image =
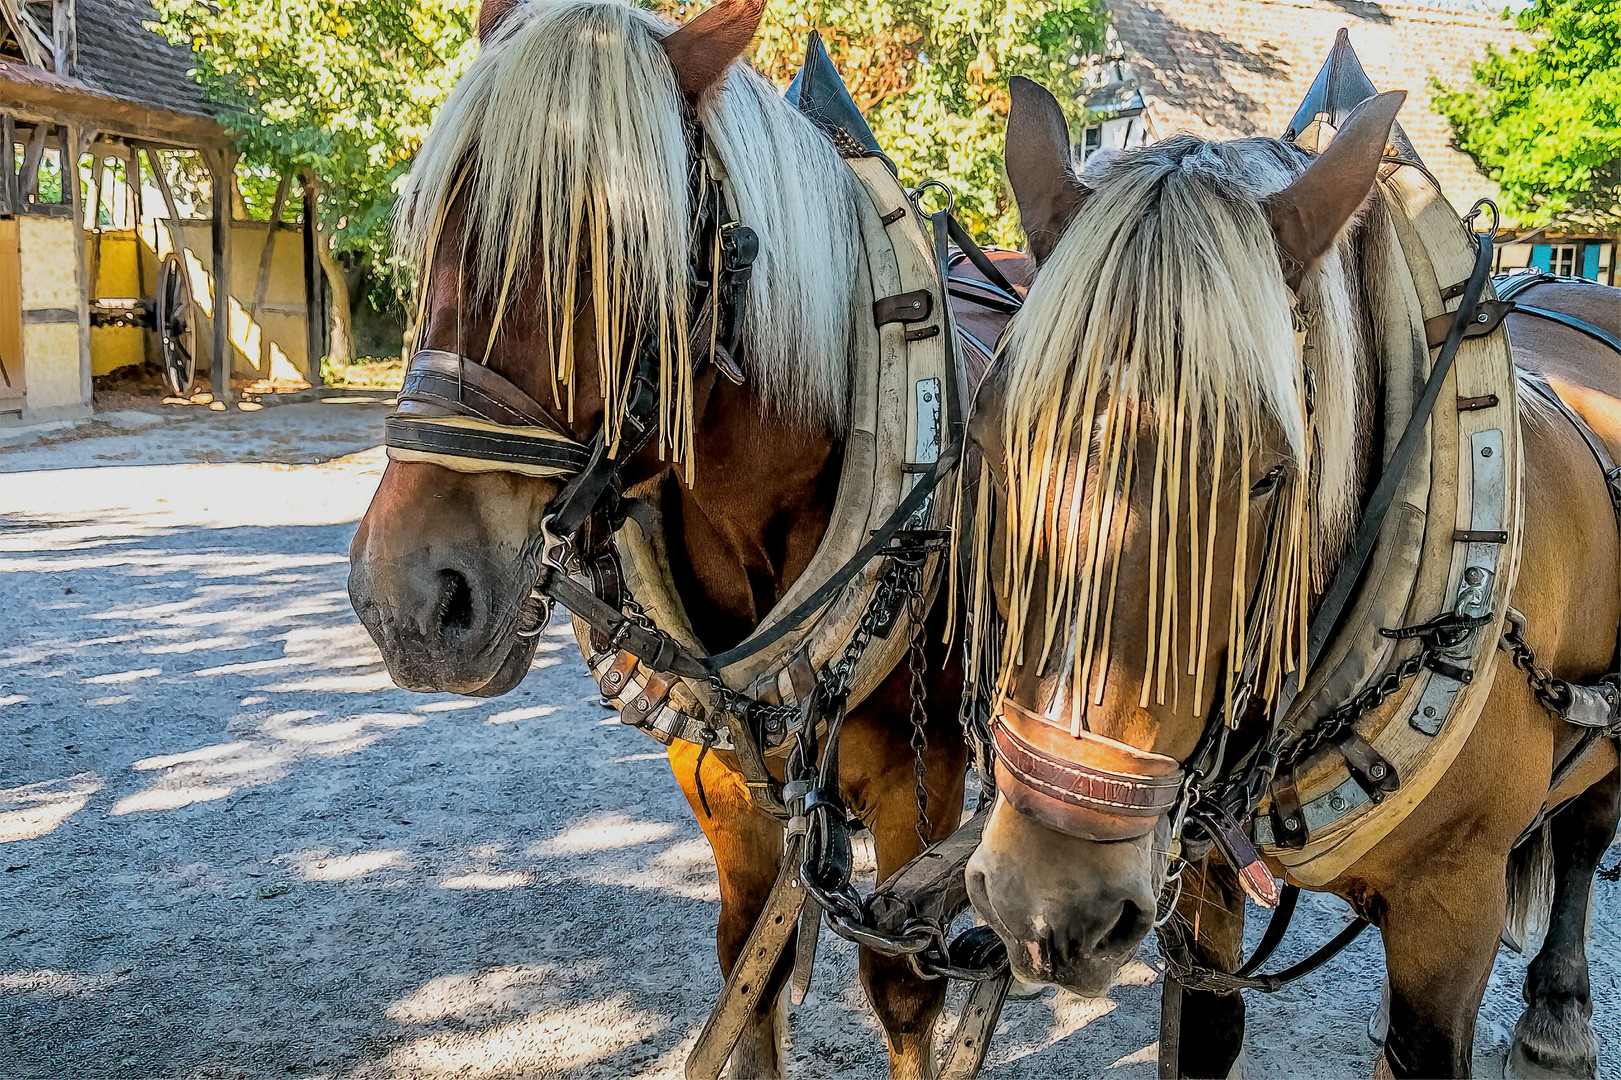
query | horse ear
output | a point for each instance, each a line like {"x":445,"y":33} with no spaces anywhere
{"x":1040,"y":165}
{"x":490,"y":15}
{"x":703,"y":50}
{"x":1308,"y":216}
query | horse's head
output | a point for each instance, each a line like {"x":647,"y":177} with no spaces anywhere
{"x":1166,"y":478}
{"x":560,"y":214}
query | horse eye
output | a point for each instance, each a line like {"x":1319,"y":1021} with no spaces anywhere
{"x":1268,"y":483}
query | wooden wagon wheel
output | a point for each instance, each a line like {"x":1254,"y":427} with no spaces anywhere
{"x":176,"y":321}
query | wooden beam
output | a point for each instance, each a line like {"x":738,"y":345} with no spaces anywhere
{"x":86,"y":107}
{"x":222,"y":171}
{"x":314,"y":309}
{"x":28,"y":174}
{"x":132,"y":205}
{"x":132,"y":189}
{"x":176,"y":242}
{"x":267,"y":253}
{"x":8,"y":157}
{"x":29,"y":37}
{"x":93,"y":260}
{"x":73,"y":143}
{"x":65,"y":36}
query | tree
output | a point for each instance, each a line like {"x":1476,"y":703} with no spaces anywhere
{"x":1544,"y":120}
{"x":931,"y":76}
{"x":346,"y":90}
{"x":343,"y":90}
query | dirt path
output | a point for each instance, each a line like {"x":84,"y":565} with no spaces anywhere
{"x":230,"y":848}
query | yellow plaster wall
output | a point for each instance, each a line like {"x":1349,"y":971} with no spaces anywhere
{"x":52,"y":351}
{"x":119,"y":275}
{"x":275,"y":345}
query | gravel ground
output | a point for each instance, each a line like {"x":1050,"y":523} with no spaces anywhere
{"x":229,"y":847}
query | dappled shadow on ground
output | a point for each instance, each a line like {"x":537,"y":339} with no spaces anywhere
{"x":234,"y":849}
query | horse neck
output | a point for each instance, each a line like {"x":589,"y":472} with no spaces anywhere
{"x":759,"y":502}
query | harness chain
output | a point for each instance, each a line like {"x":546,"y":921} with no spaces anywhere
{"x":1551,"y":693}
{"x":919,"y":693}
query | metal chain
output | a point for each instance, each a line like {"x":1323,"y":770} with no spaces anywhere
{"x":1551,"y":693}
{"x":922,"y":941}
{"x":1344,"y":715}
{"x":920,"y":736}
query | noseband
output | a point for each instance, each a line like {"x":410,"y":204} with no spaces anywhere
{"x":1087,"y":785}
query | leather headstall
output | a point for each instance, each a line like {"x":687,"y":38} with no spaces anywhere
{"x":1087,"y":785}
{"x":455,"y":412}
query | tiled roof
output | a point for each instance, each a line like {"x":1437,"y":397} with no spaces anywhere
{"x":1231,"y":68}
{"x":121,"y":56}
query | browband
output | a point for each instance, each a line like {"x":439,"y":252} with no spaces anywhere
{"x":455,"y":412}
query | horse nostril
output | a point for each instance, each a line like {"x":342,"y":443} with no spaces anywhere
{"x":1132,"y":924}
{"x":455,"y":612}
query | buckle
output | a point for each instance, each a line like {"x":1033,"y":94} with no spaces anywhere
{"x":739,"y":248}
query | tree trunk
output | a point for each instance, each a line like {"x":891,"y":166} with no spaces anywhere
{"x":340,"y":338}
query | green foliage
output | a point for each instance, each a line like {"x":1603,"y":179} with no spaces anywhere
{"x":345,"y":88}
{"x":348,"y":88}
{"x":1544,"y":120}
{"x":931,"y":76}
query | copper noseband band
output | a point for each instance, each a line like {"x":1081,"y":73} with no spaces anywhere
{"x":1088,"y":785}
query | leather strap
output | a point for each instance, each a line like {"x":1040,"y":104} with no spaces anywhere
{"x":1597,"y":333}
{"x":564,"y":457}
{"x":1087,"y":786}
{"x":1356,"y":558}
{"x":444,"y":380}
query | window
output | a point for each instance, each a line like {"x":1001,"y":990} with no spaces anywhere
{"x":1565,"y":259}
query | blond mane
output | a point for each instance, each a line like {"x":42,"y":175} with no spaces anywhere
{"x":1162,"y":319}
{"x":565,"y":141}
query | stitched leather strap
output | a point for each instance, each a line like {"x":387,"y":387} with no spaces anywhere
{"x":1087,"y":786}
{"x":459,"y":386}
{"x":456,"y":441}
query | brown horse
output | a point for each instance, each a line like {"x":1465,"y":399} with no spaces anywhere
{"x":1160,"y":330}
{"x":551,"y":216}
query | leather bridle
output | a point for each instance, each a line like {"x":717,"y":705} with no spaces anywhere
{"x":1095,"y":788}
{"x":455,"y":411}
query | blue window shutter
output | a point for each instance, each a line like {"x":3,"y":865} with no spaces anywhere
{"x":1542,"y":257}
{"x":1590,"y":262}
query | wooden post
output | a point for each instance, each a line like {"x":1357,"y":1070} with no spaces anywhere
{"x":28,"y":175}
{"x":75,"y":141}
{"x":132,"y":207}
{"x":314,"y":309}
{"x":8,"y":175}
{"x":222,"y":171}
{"x":176,"y":241}
{"x":132,"y":189}
{"x":99,"y":172}
{"x":64,"y":36}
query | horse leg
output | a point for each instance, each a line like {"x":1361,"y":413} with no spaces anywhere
{"x":748,"y":849}
{"x":905,"y":1004}
{"x":1440,"y":935}
{"x":1554,"y":1038}
{"x":1210,"y":916}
